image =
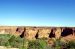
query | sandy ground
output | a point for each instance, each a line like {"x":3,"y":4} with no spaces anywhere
{"x":2,"y":47}
{"x":68,"y":38}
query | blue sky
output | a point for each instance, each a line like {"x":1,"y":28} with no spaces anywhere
{"x":37,"y":13}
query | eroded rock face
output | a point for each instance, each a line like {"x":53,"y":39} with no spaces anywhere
{"x":44,"y":32}
{"x":74,"y":31}
{"x":5,"y":30}
{"x":2,"y":32}
{"x":31,"y":33}
{"x":66,"y":32}
{"x":20,"y":31}
{"x":55,"y":33}
{"x":13,"y":30}
{"x":58,"y":33}
{"x":52,"y":33}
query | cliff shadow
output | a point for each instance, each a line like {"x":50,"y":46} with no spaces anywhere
{"x":52,"y":34}
{"x":66,"y":32}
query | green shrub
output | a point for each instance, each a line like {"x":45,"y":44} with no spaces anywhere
{"x":4,"y":38}
{"x":33,"y":45}
{"x":11,"y":41}
{"x":37,"y":44}
{"x":16,"y":42}
{"x":62,"y":45}
{"x":58,"y":44}
{"x":71,"y":44}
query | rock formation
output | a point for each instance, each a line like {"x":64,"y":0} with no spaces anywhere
{"x":32,"y":33}
{"x":44,"y":32}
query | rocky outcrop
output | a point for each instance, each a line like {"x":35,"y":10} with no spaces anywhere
{"x":44,"y":32}
{"x":58,"y":32}
{"x":32,"y":33}
{"x":20,"y":31}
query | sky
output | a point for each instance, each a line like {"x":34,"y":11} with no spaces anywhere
{"x":37,"y":13}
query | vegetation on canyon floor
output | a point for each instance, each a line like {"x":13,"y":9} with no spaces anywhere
{"x":21,"y":43}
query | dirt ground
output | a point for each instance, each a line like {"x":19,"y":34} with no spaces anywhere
{"x":2,"y":47}
{"x":68,"y":38}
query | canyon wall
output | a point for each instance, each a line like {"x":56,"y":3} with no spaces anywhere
{"x":32,"y":33}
